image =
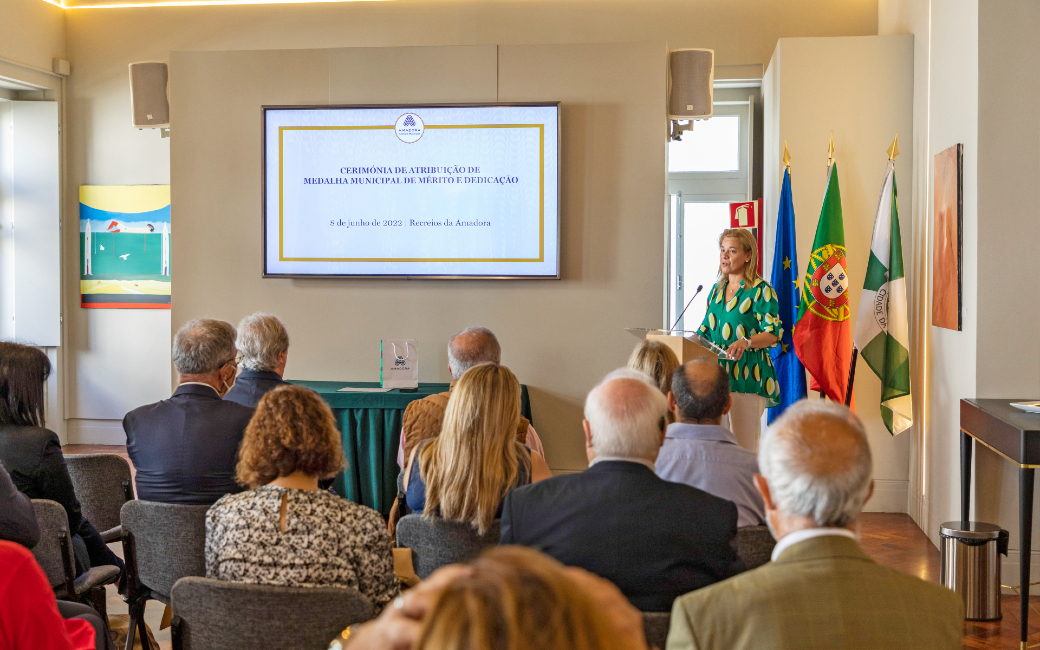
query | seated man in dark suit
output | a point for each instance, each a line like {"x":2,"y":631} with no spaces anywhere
{"x":265,"y":348}
{"x":185,"y":448}
{"x":652,"y":538}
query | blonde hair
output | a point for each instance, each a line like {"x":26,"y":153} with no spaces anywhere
{"x":750,"y":246}
{"x":658,"y":362}
{"x":475,"y":460}
{"x":655,"y":360}
{"x":516,"y":599}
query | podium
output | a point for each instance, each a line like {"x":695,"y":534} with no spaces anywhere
{"x":686,"y":345}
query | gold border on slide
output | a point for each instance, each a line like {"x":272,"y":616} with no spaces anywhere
{"x":541,"y":195}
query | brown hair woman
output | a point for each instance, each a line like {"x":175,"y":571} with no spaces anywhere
{"x":286,"y":530}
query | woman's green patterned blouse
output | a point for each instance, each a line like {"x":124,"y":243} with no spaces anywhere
{"x":751,"y":311}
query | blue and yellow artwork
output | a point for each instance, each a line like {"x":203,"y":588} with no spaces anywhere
{"x":124,"y":240}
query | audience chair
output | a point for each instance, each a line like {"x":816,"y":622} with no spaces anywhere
{"x":754,"y":545}
{"x":162,"y":543}
{"x":440,"y":542}
{"x":655,"y":626}
{"x":54,"y":555}
{"x":236,"y":616}
{"x":103,"y":485}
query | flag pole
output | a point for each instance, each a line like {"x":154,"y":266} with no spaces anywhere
{"x":893,"y":151}
{"x":852,"y":376}
{"x":830,"y":161}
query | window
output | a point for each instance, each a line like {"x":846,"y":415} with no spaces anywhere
{"x":712,"y":146}
{"x":707,"y":169}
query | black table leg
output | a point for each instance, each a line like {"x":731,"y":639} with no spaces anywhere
{"x":965,"y":476}
{"x":1025,"y":522}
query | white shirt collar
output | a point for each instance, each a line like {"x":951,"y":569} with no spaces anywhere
{"x":801,"y":535}
{"x":642,"y":461}
{"x":199,"y":383}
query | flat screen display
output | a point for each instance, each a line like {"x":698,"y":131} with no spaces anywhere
{"x":438,"y":191}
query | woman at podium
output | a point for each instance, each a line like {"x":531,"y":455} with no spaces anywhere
{"x":743,"y":319}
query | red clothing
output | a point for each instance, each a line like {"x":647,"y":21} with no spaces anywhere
{"x":29,"y":618}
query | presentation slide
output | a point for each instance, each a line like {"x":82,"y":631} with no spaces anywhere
{"x":413,"y":191}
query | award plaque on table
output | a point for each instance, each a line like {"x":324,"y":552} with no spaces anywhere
{"x":686,"y":344}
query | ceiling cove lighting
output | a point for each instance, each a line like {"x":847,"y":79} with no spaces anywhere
{"x":191,"y":3}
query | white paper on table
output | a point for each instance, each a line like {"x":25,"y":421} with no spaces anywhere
{"x":349,"y":389}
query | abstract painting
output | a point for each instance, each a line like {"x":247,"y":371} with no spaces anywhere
{"x":946,"y":249}
{"x":124,"y":239}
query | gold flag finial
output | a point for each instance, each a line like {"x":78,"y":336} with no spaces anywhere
{"x":787,"y":157}
{"x":893,"y":151}
{"x":830,"y":151}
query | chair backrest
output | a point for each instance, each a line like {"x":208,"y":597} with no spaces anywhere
{"x":655,"y":626}
{"x":52,"y":554}
{"x":754,"y":545}
{"x":235,"y":616}
{"x":99,"y":483}
{"x":169,"y":542}
{"x":441,"y":542}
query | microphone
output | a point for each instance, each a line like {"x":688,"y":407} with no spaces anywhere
{"x":695,"y":294}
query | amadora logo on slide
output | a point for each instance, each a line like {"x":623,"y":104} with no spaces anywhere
{"x":409,"y":128}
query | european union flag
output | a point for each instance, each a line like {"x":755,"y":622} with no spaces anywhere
{"x":789,"y":370}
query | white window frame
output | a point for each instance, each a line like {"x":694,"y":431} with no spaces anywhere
{"x":706,"y":187}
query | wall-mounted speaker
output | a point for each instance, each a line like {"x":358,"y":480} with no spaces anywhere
{"x":691,"y":74}
{"x":149,"y":94}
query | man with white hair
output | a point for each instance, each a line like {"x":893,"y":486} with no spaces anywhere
{"x":652,"y":538}
{"x":265,"y":350}
{"x":820,"y":591}
{"x":422,"y":418}
{"x":185,"y":448}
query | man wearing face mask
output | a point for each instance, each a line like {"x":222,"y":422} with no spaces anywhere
{"x":184,"y":448}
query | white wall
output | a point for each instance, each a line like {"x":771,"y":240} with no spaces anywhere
{"x":861,"y":88}
{"x":119,"y":359}
{"x":977,"y":67}
{"x":560,"y":337}
{"x":32,"y":33}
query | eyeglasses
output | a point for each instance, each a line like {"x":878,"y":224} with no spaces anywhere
{"x":235,"y":361}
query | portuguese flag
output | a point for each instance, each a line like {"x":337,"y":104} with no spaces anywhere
{"x":822,"y":339}
{"x":881,"y":328}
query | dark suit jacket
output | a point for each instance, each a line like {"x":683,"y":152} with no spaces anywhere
{"x":17,"y":517}
{"x":251,"y":385}
{"x":33,"y":458}
{"x":654,"y":539}
{"x":184,"y":448}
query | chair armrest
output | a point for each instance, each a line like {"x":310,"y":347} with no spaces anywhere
{"x":96,"y":577}
{"x":112,"y":534}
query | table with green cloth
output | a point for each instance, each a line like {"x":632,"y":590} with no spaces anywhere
{"x":370,"y":424}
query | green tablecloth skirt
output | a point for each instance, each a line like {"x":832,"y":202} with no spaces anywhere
{"x":370,"y":424}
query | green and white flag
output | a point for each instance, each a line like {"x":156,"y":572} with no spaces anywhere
{"x":881,"y":329}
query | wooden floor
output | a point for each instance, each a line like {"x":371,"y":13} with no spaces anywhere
{"x":890,"y":539}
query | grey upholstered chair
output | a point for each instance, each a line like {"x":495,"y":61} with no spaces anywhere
{"x":162,"y":543}
{"x":211,"y":614}
{"x":655,"y":626}
{"x":441,"y":542}
{"x":754,"y":545}
{"x":103,"y":485}
{"x":54,"y":555}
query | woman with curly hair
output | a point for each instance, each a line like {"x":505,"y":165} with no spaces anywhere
{"x":285,"y":530}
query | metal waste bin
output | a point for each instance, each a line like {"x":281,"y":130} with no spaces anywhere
{"x":969,"y":564}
